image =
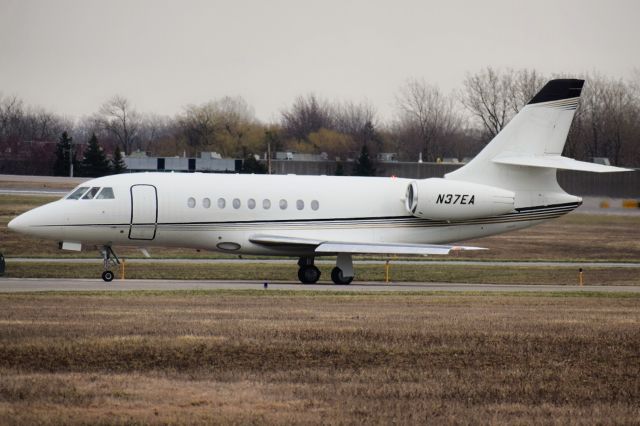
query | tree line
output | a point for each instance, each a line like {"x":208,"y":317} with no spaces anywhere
{"x":93,"y":163}
{"x":427,"y":123}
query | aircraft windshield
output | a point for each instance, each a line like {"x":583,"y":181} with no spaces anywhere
{"x":75,"y":195}
{"x":105,"y":194}
{"x":91,"y":193}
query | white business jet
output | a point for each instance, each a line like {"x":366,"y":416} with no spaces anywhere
{"x":511,"y":184}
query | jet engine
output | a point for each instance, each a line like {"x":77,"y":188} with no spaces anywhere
{"x":442,"y":199}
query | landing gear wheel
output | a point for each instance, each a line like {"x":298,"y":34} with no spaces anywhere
{"x":107,"y":276}
{"x":110,"y":260}
{"x":336,"y":277}
{"x":308,"y":274}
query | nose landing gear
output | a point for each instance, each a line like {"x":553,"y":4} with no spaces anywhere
{"x":107,"y":276}
{"x":110,"y":259}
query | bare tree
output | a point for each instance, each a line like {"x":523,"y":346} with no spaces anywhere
{"x":486,"y":96}
{"x":607,"y":123}
{"x":43,"y":125}
{"x":308,"y":114}
{"x":224,"y":125}
{"x":11,"y":119}
{"x":522,"y":86}
{"x":592,"y":116}
{"x":426,"y":114}
{"x":351,"y":118}
{"x":25,"y":137}
{"x":155,"y":128}
{"x":198,"y":125}
{"x":237,"y":122}
{"x":494,"y":96}
{"x":621,"y":118}
{"x":118,"y":117}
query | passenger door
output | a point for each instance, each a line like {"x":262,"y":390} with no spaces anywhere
{"x":144,"y":212}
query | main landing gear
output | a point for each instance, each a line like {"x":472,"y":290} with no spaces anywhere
{"x":110,"y":259}
{"x":308,"y":272}
{"x":342,"y":274}
{"x":337,"y":276}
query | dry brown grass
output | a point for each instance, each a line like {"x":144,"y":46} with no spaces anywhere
{"x":33,"y":186}
{"x":229,"y":358}
{"x":574,"y":236}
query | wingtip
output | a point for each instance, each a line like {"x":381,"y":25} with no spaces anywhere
{"x":467,"y":248}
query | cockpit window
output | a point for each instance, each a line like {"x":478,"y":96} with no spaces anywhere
{"x":75,"y":195}
{"x":105,"y":194}
{"x":91,"y":193}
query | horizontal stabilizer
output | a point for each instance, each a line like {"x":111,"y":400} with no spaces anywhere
{"x":556,"y":162}
{"x":331,"y":247}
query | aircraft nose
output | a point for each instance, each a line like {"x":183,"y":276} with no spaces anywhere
{"x":36,"y":222}
{"x":17,"y":224}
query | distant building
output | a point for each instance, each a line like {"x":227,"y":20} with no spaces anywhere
{"x":450,"y":160}
{"x":211,"y":162}
{"x":387,"y":156}
{"x":295,"y":156}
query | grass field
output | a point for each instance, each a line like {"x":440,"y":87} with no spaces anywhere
{"x":243,"y":357}
{"x":574,"y":237}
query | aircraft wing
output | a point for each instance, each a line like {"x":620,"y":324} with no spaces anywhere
{"x":329,"y":247}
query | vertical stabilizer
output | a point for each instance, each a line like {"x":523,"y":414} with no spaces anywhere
{"x":538,"y":131}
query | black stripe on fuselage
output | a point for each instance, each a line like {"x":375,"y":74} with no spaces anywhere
{"x":518,"y":215}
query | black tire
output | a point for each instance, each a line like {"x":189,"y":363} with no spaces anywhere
{"x":337,"y":278}
{"x":308,"y":274}
{"x":107,"y":276}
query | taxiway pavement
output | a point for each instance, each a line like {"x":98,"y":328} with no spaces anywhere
{"x":21,"y":285}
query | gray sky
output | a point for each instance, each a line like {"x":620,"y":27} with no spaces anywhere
{"x":70,"y":56}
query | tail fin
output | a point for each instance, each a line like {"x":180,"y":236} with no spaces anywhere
{"x":529,"y":149}
{"x":525,"y":155}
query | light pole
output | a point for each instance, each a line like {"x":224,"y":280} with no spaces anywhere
{"x":70,"y":150}
{"x":71,"y":158}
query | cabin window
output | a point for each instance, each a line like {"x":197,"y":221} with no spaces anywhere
{"x":106,"y":194}
{"x":206,"y":203}
{"x":236,"y":203}
{"x":300,"y":204}
{"x":283,"y":204}
{"x":221,"y":203}
{"x":251,"y":203}
{"x":91,"y":193}
{"x":266,"y":204}
{"x":315,"y":205}
{"x":191,"y":202}
{"x":75,"y":195}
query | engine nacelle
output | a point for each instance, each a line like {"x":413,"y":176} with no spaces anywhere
{"x":442,"y":199}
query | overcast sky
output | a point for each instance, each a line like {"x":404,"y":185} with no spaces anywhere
{"x":70,"y":56}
